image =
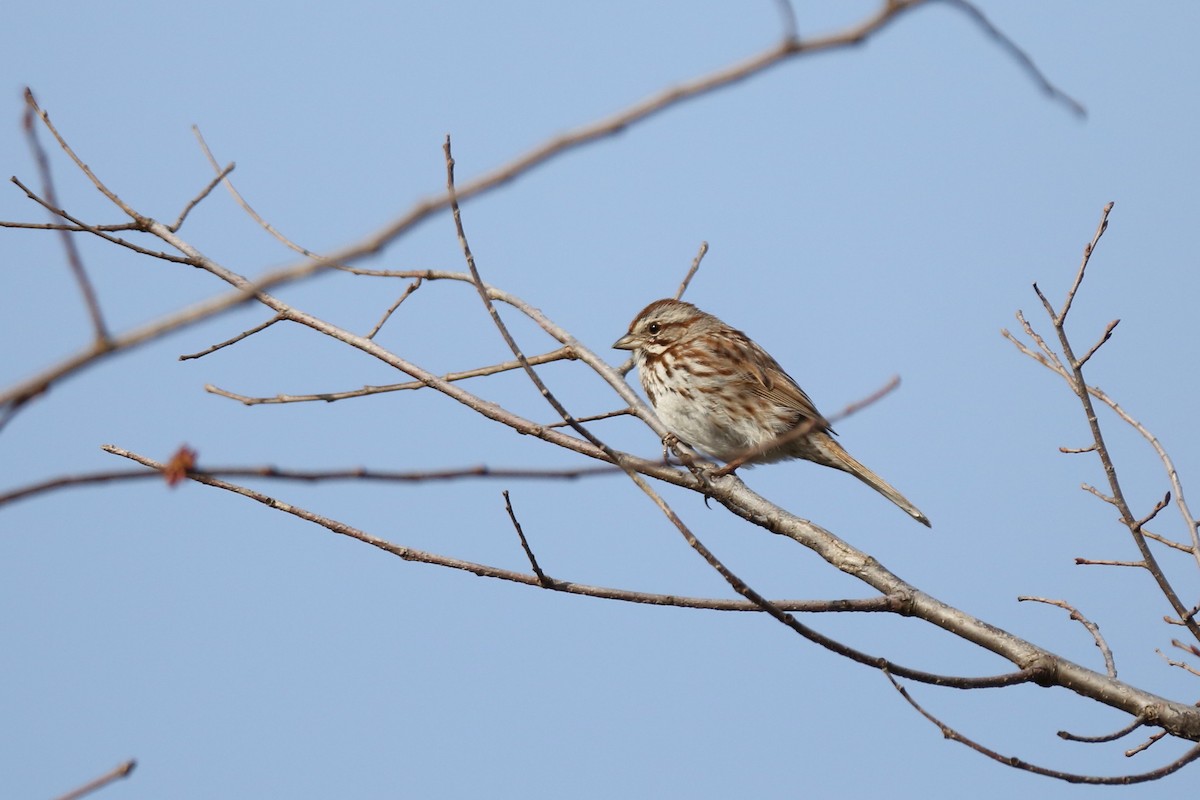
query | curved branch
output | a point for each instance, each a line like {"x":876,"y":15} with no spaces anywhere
{"x":1070,"y":777}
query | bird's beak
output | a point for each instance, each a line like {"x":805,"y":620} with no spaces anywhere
{"x":626,"y":342}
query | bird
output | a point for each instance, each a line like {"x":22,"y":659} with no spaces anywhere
{"x":718,"y":391}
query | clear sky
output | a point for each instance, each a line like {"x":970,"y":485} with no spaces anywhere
{"x":876,"y":211}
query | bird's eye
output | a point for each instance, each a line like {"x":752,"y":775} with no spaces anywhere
{"x":652,"y":328}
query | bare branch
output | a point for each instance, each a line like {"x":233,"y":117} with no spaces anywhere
{"x":1022,"y":58}
{"x":1070,"y":777}
{"x":309,"y":476}
{"x":223,"y":175}
{"x":541,"y":576}
{"x":1080,"y":386}
{"x":788,"y":17}
{"x":1183,"y":665}
{"x":58,"y":226}
{"x":101,"y":232}
{"x":1092,"y":628}
{"x":691,"y":273}
{"x":1087,"y":487}
{"x":195,"y":201}
{"x":1168,"y":465}
{"x":1104,"y":337}
{"x":1091,"y":562}
{"x":1168,"y":542}
{"x":244,"y":334}
{"x":1088,"y":249}
{"x":624,"y":412}
{"x":84,"y":168}
{"x":1159,"y":506}
{"x":115,"y":774}
{"x":1146,"y":744}
{"x":1137,"y":722}
{"x":876,"y":604}
{"x":412,"y":287}
{"x":99,"y":330}
{"x":561,"y":354}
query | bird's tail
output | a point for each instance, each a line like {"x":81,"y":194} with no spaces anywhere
{"x":834,"y":455}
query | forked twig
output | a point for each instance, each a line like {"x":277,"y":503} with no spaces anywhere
{"x":74,"y":259}
{"x":1017,"y":763}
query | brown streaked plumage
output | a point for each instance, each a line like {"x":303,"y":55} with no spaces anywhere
{"x":717,"y":390}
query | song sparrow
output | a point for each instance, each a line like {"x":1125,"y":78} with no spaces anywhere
{"x":720,"y":392}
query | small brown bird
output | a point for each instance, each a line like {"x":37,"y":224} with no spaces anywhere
{"x":718,"y":391}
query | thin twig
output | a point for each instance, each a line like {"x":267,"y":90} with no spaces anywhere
{"x":1168,"y":542}
{"x":74,"y":259}
{"x":624,"y":412}
{"x":84,"y":168}
{"x":1051,"y":356}
{"x":683,"y":285}
{"x":313,"y":476}
{"x":1146,"y":744}
{"x":691,"y":273}
{"x":561,"y":354}
{"x":102,"y":232}
{"x":1189,"y":520}
{"x":1096,"y":562}
{"x":1088,"y":249}
{"x":1021,"y":58}
{"x":234,"y":340}
{"x":1183,"y":665}
{"x":512,"y":515}
{"x":1104,"y":337}
{"x":788,"y":17}
{"x":1159,"y":506}
{"x":1080,"y":386}
{"x":115,"y":774}
{"x":874,"y":604}
{"x":1017,"y":763}
{"x":1137,"y":722}
{"x":58,"y":226}
{"x":241,"y":201}
{"x":1092,"y":628}
{"x":412,"y":287}
{"x":195,"y":201}
{"x":1092,"y":490}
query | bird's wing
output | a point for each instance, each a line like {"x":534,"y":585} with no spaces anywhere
{"x":767,"y":379}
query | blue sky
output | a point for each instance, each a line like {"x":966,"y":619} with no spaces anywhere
{"x":875,"y":211}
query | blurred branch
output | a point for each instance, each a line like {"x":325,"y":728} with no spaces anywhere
{"x":17,"y":396}
{"x":115,"y":774}
{"x":99,"y":330}
{"x":1021,"y":57}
